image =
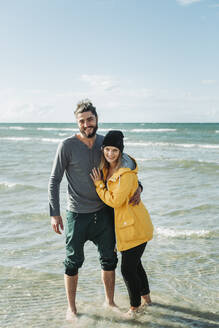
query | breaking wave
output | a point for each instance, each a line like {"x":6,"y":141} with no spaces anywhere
{"x":173,"y":233}
{"x":169,"y":144}
{"x":153,"y":130}
{"x":6,"y":186}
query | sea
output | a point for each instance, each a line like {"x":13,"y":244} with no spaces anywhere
{"x":179,"y":171}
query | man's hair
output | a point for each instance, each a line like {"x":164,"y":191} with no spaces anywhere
{"x":85,"y":105}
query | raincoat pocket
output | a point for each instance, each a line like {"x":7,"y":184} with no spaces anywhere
{"x":127,"y":230}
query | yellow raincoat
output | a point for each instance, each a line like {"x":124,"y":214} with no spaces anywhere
{"x":133,"y":225}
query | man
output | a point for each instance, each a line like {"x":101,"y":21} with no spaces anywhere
{"x":87,"y":216}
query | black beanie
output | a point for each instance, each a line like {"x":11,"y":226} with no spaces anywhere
{"x":114,"y":138}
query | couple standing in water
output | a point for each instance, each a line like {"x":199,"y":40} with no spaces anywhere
{"x":101,"y":177}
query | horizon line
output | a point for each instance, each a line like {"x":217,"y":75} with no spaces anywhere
{"x":111,"y":122}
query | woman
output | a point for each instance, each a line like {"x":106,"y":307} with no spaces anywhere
{"x":115,"y":184}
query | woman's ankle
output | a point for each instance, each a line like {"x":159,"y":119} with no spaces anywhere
{"x":134,"y":308}
{"x":147,"y":298}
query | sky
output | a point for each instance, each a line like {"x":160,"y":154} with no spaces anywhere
{"x":136,"y":60}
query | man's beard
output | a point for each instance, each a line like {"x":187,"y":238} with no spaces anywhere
{"x":92,"y":134}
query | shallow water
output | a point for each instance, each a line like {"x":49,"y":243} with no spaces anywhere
{"x":179,"y":169}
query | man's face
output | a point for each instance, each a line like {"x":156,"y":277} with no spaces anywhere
{"x":87,"y":123}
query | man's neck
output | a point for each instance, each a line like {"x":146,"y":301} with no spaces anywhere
{"x":87,"y":141}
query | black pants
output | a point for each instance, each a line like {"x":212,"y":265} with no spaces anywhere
{"x":134,"y":274}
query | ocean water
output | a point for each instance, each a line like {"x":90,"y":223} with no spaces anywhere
{"x":179,"y":169}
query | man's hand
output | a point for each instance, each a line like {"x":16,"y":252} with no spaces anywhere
{"x":57,"y":223}
{"x":136,"y":198}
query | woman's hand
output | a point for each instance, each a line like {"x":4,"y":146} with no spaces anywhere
{"x":95,"y":175}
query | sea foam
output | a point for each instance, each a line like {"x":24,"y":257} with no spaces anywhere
{"x":4,"y":185}
{"x":169,"y":144}
{"x":7,"y":185}
{"x":57,"y":129}
{"x":53,"y":140}
{"x":17,"y":128}
{"x":12,"y":128}
{"x":152,"y":130}
{"x":173,"y":233}
{"x":16,"y":138}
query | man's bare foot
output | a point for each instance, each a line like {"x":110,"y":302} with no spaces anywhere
{"x":146,"y":300}
{"x":71,"y":315}
{"x":107,"y":304}
{"x":113,"y":307}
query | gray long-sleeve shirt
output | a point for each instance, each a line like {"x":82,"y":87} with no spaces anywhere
{"x":77,"y":161}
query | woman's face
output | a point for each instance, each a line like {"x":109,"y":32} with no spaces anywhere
{"x":111,"y":154}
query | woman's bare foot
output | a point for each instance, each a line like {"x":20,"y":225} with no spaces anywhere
{"x":132,"y":312}
{"x":106,"y":304}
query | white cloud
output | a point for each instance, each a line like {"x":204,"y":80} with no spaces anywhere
{"x":187,"y":2}
{"x":208,"y":82}
{"x":99,"y":84}
{"x":128,"y":102}
{"x":105,"y":83}
{"x":18,"y":111}
{"x":18,"y":105}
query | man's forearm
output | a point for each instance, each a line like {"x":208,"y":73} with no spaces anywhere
{"x":54,"y":204}
{"x":59,"y":165}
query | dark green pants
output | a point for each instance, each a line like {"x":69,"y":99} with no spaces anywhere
{"x":97,"y":227}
